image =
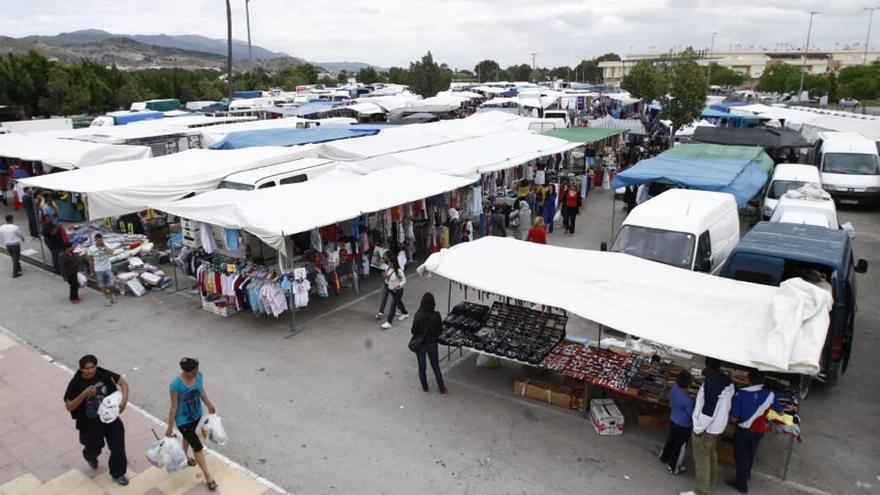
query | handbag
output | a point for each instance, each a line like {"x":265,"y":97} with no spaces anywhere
{"x":415,"y":342}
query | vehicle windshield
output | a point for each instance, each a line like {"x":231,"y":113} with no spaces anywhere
{"x":779,"y":187}
{"x":236,"y":185}
{"x":851,"y":163}
{"x":662,"y":246}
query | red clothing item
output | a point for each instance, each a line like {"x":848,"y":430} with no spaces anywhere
{"x":572,"y":199}
{"x":537,"y":235}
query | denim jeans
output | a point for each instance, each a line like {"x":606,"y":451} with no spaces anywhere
{"x":384,"y":299}
{"x":396,"y":302}
{"x":432,"y":353}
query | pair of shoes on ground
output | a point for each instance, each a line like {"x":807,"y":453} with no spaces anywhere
{"x":733,"y":484}
{"x":122,"y":480}
{"x":682,"y":469}
{"x":76,"y":301}
{"x":443,"y":391}
{"x":387,"y":325}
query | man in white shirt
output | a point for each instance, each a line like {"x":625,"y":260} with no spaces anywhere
{"x":711,"y":413}
{"x":11,"y":237}
{"x":99,"y":258}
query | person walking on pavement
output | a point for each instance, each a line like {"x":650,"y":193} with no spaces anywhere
{"x":570,"y":201}
{"x":496,"y":223}
{"x":426,"y":329}
{"x":54,"y":241}
{"x":88,"y":387}
{"x":27,"y":202}
{"x":69,"y":268}
{"x":187,"y":391}
{"x":99,"y":261}
{"x":11,"y":237}
{"x":748,"y":413}
{"x":710,"y":417}
{"x":681,"y":406}
{"x":401,"y":261}
{"x":549,"y":211}
{"x":537,"y":233}
{"x":521,"y":220}
{"x":396,"y":280}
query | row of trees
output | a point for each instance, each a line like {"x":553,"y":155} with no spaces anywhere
{"x":587,"y":71}
{"x":680,"y":86}
{"x":861,"y":82}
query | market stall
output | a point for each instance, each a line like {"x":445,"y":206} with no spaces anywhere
{"x":522,"y":310}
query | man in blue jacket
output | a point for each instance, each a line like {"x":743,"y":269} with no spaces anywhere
{"x":749,"y":408}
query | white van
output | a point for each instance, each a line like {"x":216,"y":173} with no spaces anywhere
{"x":690,"y":229}
{"x":850,"y":167}
{"x":277,"y":175}
{"x":562,"y":115}
{"x":821,"y":212}
{"x":787,"y":176}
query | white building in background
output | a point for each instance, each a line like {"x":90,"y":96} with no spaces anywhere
{"x":749,"y":62}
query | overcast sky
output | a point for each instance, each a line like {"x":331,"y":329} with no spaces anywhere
{"x":459,"y":32}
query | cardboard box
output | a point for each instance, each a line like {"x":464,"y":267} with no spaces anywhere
{"x":558,"y":395}
{"x":223,"y":310}
{"x":652,"y":419}
{"x":606,"y":417}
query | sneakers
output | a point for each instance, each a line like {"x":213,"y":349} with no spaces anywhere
{"x":75,"y":301}
{"x":112,"y":299}
{"x":733,"y":484}
{"x":425,"y":389}
{"x":379,"y":316}
{"x":386,"y":326}
{"x":403,"y":317}
{"x":93,"y":463}
{"x":122,"y":480}
{"x":109,"y":302}
{"x":444,"y":392}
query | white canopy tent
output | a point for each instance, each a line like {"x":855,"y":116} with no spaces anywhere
{"x":65,"y":153}
{"x":770,"y":328}
{"x":271,"y":214}
{"x":869,"y":128}
{"x":214,"y":134}
{"x":114,"y":190}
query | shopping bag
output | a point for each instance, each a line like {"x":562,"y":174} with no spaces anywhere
{"x":108,"y":410}
{"x":557,"y":218}
{"x":211,"y":427}
{"x":81,"y":278}
{"x":172,"y":455}
{"x":154,"y":453}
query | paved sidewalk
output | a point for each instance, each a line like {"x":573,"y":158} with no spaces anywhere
{"x":41,"y":455}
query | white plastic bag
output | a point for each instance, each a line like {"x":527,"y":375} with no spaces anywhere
{"x":81,"y":278}
{"x":557,"y":218}
{"x":172,"y":455}
{"x":154,"y":453}
{"x":108,"y":410}
{"x":211,"y":427}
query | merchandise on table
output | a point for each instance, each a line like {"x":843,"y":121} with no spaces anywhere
{"x":598,"y":366}
{"x":508,"y":331}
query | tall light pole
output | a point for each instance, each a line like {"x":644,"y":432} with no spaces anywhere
{"x":868,"y":37}
{"x":804,"y":61}
{"x":711,"y":49}
{"x":228,"y":50}
{"x":535,"y":65}
{"x":247,"y":14}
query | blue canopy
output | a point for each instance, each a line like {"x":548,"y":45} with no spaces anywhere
{"x":740,"y":120}
{"x":738,"y":170}
{"x":288,"y":137}
{"x":253,"y":93}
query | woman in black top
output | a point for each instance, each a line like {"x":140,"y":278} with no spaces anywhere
{"x":427,"y":325}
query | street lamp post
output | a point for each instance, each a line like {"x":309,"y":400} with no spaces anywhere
{"x":868,"y":37}
{"x":247,"y":13}
{"x":711,"y":49}
{"x":804,"y":61}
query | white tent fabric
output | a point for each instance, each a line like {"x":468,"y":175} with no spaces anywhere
{"x":365,"y":108}
{"x":65,"y":153}
{"x":114,"y":190}
{"x":866,"y":127}
{"x":389,"y":103}
{"x":268,"y":213}
{"x":634,"y":126}
{"x":214,"y":134}
{"x":770,"y":328}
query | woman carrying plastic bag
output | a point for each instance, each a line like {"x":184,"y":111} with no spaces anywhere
{"x":187,"y":393}
{"x":211,"y":428}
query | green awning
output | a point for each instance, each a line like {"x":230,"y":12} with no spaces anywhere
{"x":585,"y":135}
{"x":708,"y":152}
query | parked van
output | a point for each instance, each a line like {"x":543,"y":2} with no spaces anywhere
{"x":277,"y":175}
{"x":773,"y":252}
{"x":850,"y":167}
{"x":787,"y":176}
{"x":562,"y":115}
{"x":819,"y":212}
{"x":690,"y":229}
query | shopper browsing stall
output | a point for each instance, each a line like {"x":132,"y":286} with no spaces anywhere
{"x":681,"y":406}
{"x":54,"y":239}
{"x":710,"y":418}
{"x":750,"y":406}
{"x":11,"y":237}
{"x":570,"y":202}
{"x":69,"y":266}
{"x":549,"y":211}
{"x":426,"y":329}
{"x":520,"y":220}
{"x":187,"y":392}
{"x":396,"y":280}
{"x":453,"y":222}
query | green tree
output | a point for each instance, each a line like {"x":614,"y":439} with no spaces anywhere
{"x":522,"y":72}
{"x":560,"y":73}
{"x":427,"y":78}
{"x":861,"y":82}
{"x":308,"y":72}
{"x":779,"y":78}
{"x":644,"y":81}
{"x":487,"y":70}
{"x":326,"y":81}
{"x":368,"y":75}
{"x":725,"y":76}
{"x":342,"y":77}
{"x":687,"y":91}
{"x":398,"y":75}
{"x":833,"y":88}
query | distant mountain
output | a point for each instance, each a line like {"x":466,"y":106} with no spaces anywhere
{"x":127,"y":53}
{"x":346,"y":66}
{"x":190,"y":42}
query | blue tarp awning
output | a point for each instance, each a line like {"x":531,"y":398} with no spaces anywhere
{"x":288,"y":137}
{"x":253,"y":93}
{"x":738,"y":170}
{"x":740,"y":120}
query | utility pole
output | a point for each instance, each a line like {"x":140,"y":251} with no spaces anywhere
{"x":535,"y":66}
{"x":804,"y":61}
{"x":711,"y":49}
{"x":228,"y":50}
{"x":247,"y":13}
{"x":868,"y":37}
